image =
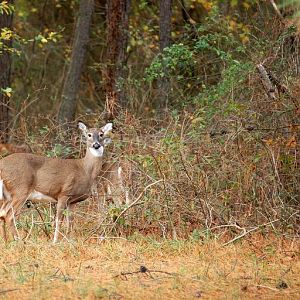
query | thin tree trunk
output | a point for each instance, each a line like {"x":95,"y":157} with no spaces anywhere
{"x":80,"y":44}
{"x":184,"y":12}
{"x":117,"y":41}
{"x":165,"y":26}
{"x":224,"y":7}
{"x":5,"y":72}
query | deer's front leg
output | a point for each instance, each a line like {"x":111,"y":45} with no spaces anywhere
{"x":61,"y":206}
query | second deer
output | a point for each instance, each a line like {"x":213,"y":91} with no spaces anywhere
{"x":25,"y":176}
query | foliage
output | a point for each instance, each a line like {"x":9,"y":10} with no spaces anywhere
{"x":6,"y":34}
{"x":225,"y":42}
{"x":6,"y":8}
{"x":175,"y":59}
{"x":59,"y":151}
{"x":232,"y":79}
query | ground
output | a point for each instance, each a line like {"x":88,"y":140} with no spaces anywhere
{"x":257,"y":267}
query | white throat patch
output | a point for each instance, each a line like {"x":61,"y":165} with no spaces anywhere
{"x":97,"y":152}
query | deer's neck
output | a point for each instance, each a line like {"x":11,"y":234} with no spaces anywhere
{"x":92,"y":163}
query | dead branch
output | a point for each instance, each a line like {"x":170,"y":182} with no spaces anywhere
{"x":245,"y":232}
{"x":266,"y":287}
{"x":8,"y":290}
{"x":277,"y":11}
{"x":44,"y":228}
{"x":265,"y":79}
{"x":271,"y":83}
{"x":142,"y":270}
{"x":282,"y":88}
{"x":134,"y":202}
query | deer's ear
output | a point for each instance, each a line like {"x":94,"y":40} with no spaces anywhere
{"x":82,"y":126}
{"x":107,"y":128}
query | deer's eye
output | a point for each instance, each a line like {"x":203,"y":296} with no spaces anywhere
{"x":101,"y":134}
{"x":89,"y":135}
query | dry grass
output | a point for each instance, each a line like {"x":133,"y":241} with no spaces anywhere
{"x":266,"y":268}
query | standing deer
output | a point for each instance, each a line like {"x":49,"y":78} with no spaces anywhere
{"x":113,"y":181}
{"x":25,"y":176}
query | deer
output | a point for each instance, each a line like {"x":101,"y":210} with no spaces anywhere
{"x":65,"y":182}
{"x":113,"y":182}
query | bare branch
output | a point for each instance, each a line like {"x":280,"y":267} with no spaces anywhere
{"x":277,"y":11}
{"x":245,"y":232}
{"x":268,"y":85}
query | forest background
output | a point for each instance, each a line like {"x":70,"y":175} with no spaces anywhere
{"x":203,"y":95}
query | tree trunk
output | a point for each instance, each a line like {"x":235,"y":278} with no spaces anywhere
{"x":165,"y":24}
{"x":5,"y":71}
{"x":80,"y":44}
{"x":117,"y":40}
{"x":224,"y":7}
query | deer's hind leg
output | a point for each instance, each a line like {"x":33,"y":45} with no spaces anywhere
{"x":61,"y":206}
{"x":8,"y":220}
{"x":3,"y":229}
{"x":14,"y":207}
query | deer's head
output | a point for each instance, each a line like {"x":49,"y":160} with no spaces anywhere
{"x":96,"y":138}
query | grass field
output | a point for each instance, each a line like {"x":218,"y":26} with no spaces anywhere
{"x":256,"y":268}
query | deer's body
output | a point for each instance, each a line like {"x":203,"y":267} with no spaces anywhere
{"x":112,"y":182}
{"x":52,"y":177}
{"x":64,"y":181}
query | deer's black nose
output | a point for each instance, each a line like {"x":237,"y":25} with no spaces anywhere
{"x":96,"y":146}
